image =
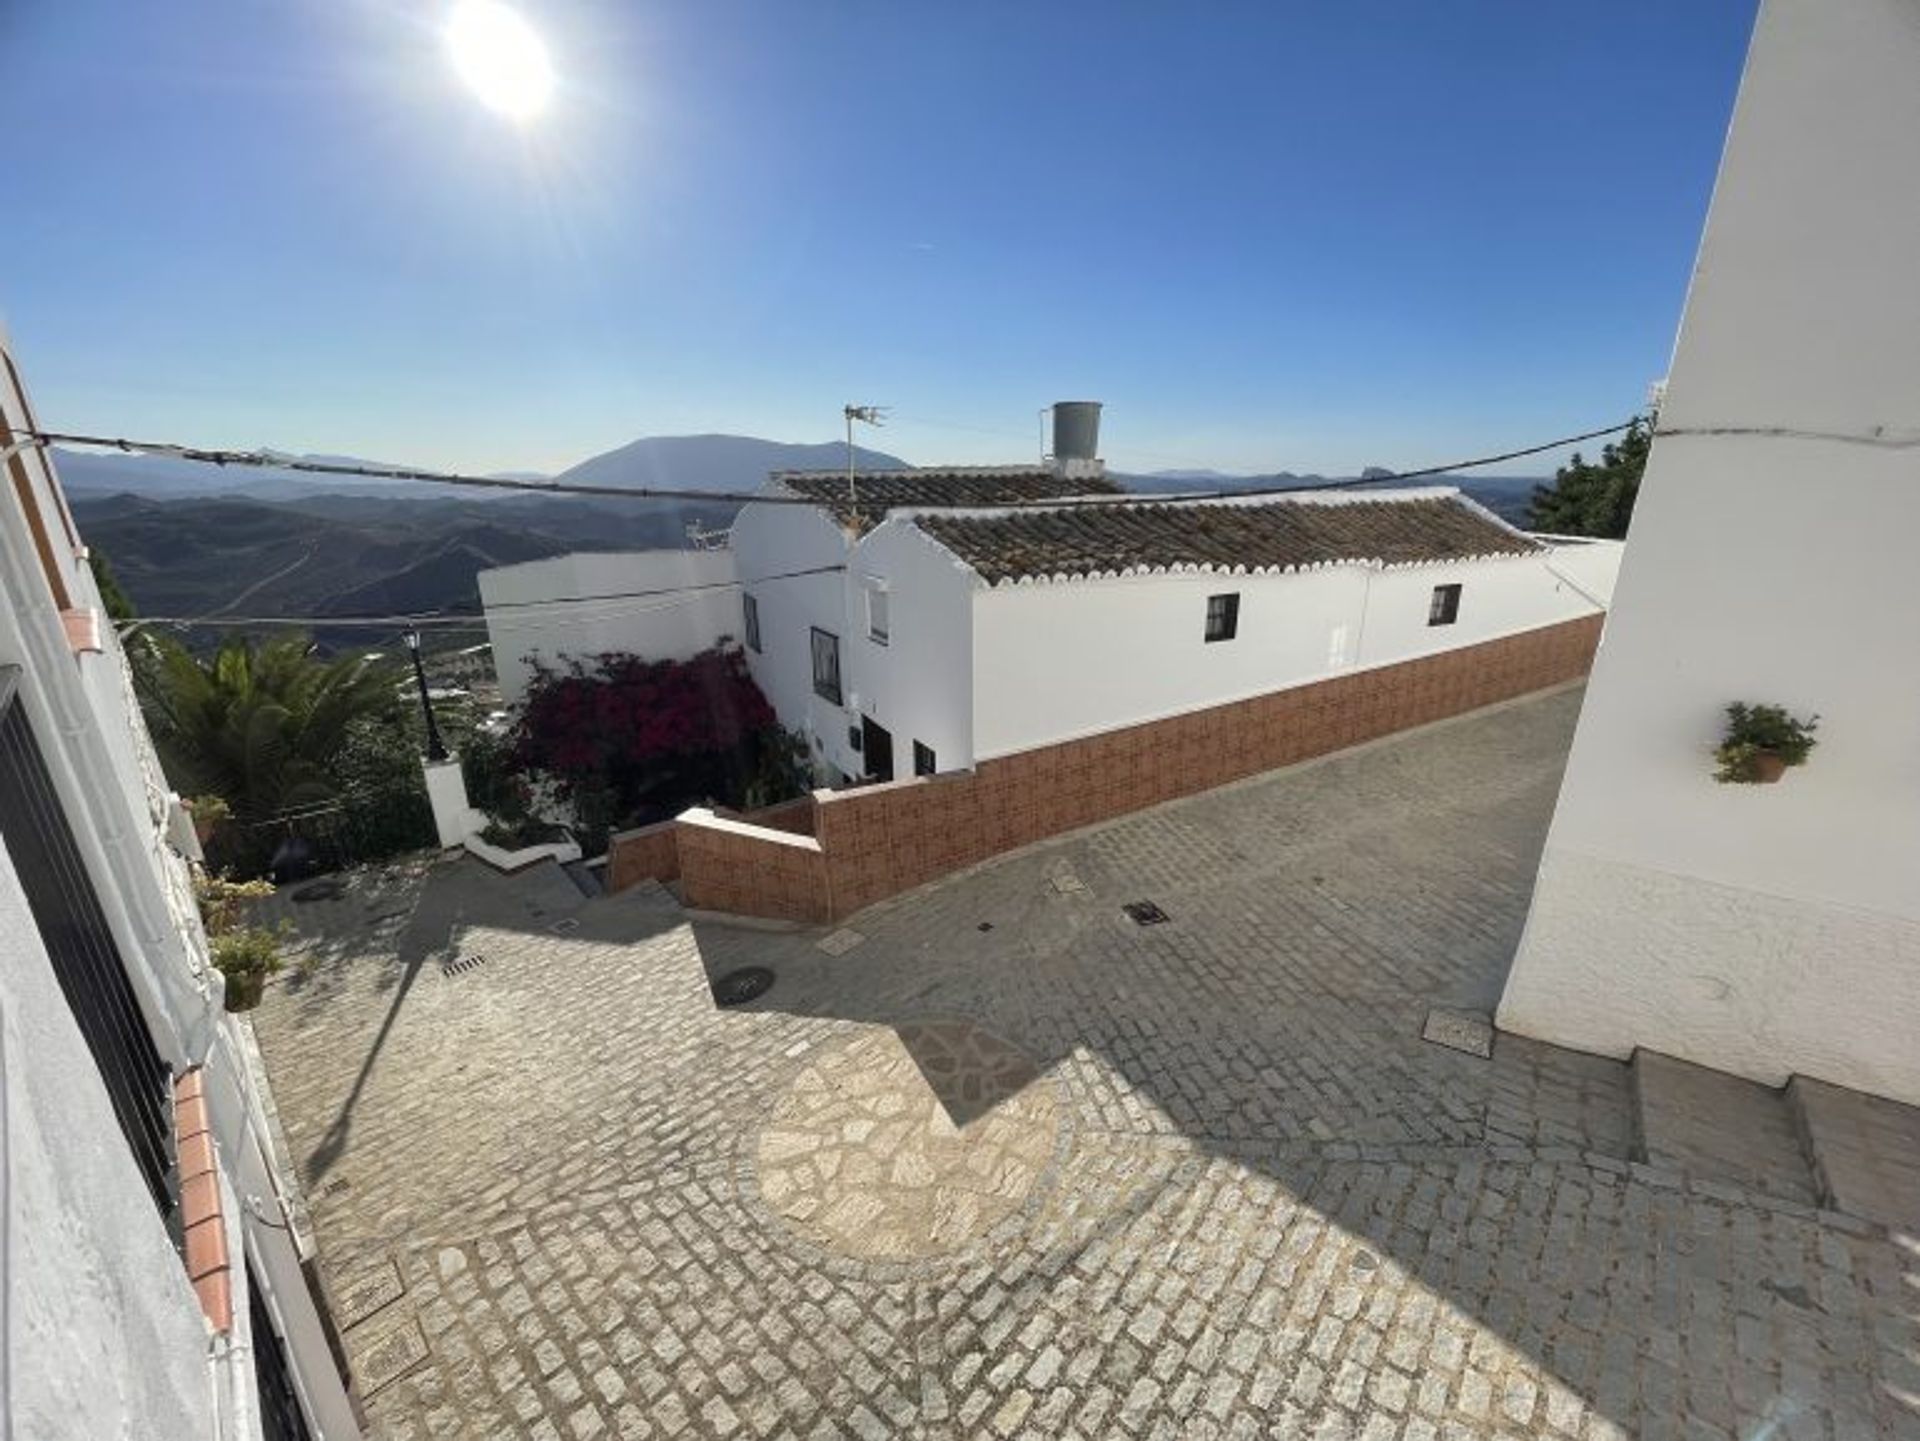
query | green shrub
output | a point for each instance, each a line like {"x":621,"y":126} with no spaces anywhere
{"x":246,"y":957}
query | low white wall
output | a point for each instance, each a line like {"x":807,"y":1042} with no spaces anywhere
{"x":105,"y":1330}
{"x":1056,"y":661}
{"x":524,"y":620}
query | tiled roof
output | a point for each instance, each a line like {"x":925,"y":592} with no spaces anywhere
{"x":878,"y":491}
{"x":1239,"y":536}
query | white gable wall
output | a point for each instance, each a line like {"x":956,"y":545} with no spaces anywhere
{"x":526,"y":617}
{"x":919,"y":685}
{"x":770,"y":542}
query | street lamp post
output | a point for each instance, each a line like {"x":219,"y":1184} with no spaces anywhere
{"x":436,"y":749}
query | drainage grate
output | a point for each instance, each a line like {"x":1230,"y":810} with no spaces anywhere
{"x":327,"y":890}
{"x":1146,"y":913}
{"x":736,"y":988}
{"x":984,"y":926}
{"x":459,"y":965}
{"x":571,"y":923}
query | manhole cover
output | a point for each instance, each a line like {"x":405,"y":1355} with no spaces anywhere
{"x":901,"y":1144}
{"x":367,"y":1292}
{"x":1146,"y":913}
{"x":382,"y":1360}
{"x":327,"y":890}
{"x":736,"y":988}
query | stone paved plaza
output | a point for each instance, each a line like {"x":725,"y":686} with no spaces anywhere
{"x":1013,"y":1165}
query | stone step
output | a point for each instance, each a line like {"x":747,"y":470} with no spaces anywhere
{"x":1712,"y":1124}
{"x":1865,"y":1151}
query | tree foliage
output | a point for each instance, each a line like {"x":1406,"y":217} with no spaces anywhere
{"x":626,"y":741}
{"x":1594,"y":499}
{"x":262,"y":724}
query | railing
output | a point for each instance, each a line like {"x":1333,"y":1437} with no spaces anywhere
{"x":86,"y":962}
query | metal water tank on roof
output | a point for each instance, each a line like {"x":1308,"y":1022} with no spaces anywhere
{"x":1076,"y":430}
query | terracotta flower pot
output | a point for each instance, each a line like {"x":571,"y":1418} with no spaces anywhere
{"x":1768,"y":767}
{"x":244,"y":989}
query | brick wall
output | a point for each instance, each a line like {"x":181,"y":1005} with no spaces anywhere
{"x":649,"y":853}
{"x":874,"y":842}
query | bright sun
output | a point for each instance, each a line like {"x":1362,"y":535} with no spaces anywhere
{"x":501,"y":56}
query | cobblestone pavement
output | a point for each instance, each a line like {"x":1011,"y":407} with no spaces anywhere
{"x":1238,"y":1197}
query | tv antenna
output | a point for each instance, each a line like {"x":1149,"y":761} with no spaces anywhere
{"x":874,"y":415}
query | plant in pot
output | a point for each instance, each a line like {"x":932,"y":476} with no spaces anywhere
{"x":207,"y":812}
{"x":246,"y":957}
{"x":1761,"y":741}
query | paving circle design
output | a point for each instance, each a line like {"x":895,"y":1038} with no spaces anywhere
{"x":897,"y":1145}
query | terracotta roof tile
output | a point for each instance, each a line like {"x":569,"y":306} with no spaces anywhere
{"x":878,"y":491}
{"x":202,"y":1216}
{"x":1265,"y":535}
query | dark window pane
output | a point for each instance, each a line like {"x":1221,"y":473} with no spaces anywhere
{"x":826,"y":665}
{"x":751,"y":607}
{"x":923,"y":763}
{"x":1223,"y":616}
{"x":1445,"y":608}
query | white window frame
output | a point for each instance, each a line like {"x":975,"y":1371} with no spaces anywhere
{"x":879,"y":610}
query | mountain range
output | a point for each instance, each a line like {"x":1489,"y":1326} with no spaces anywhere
{"x":189,"y":539}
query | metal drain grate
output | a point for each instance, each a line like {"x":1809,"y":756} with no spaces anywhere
{"x":736,"y":988}
{"x":1146,"y":913}
{"x":326,"y":890}
{"x":460,"y":965}
{"x":571,"y":923}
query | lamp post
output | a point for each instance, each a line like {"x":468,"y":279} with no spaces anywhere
{"x":436,"y":751}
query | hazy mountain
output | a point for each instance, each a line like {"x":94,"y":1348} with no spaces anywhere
{"x":715,"y":462}
{"x":665,"y":462}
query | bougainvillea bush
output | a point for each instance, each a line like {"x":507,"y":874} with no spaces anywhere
{"x":627,"y":741}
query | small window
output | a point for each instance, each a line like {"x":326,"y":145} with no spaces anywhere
{"x":1445,"y":608}
{"x":923,"y":763}
{"x":751,"y":607}
{"x":826,"y":665}
{"x":876,"y":612}
{"x":1223,"y":616}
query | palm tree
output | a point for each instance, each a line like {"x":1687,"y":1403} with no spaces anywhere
{"x":260,"y":725}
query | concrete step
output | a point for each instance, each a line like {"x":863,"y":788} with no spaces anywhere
{"x":1865,"y":1151}
{"x":1712,"y":1124}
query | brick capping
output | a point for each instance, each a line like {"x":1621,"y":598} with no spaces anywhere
{"x":872,"y":842}
{"x":203,"y":1217}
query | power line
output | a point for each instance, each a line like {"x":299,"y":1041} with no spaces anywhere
{"x":272,"y":460}
{"x":443,"y":621}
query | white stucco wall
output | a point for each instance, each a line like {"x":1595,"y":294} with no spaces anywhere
{"x":526,"y":616}
{"x":1766,"y":930}
{"x":771,"y":541}
{"x":1061,"y":660}
{"x":920,"y":684}
{"x":106,"y":1336}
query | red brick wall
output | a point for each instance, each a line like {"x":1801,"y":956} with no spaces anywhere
{"x":650,"y":853}
{"x":874,"y":842}
{"x":734,"y":866}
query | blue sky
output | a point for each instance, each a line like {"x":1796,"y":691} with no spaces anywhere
{"x":1267,"y":235}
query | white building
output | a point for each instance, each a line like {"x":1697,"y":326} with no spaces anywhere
{"x":663,"y":604}
{"x":922,"y":620}
{"x":152,"y":1287}
{"x":1768,"y":930}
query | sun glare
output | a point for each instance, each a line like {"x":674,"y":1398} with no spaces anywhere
{"x":501,"y":57}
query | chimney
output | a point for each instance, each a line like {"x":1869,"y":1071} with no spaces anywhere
{"x":1076,"y":440}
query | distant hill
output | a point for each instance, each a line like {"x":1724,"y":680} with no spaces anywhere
{"x":667,"y":462}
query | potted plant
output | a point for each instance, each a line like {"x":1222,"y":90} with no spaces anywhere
{"x":1761,"y":741}
{"x":207,"y":812}
{"x":246,"y":957}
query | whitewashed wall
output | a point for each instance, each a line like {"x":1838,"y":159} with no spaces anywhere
{"x":106,"y":1337}
{"x":525,"y":618}
{"x":771,"y":541}
{"x":920,"y":684}
{"x":1056,"y":661}
{"x":1767,"y":930}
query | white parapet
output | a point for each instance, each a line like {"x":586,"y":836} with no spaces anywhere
{"x":453,"y":818}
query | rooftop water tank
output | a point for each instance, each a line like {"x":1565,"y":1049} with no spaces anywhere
{"x":1076,"y":429}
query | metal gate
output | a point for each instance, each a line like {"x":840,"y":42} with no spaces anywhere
{"x":85,"y":960}
{"x":280,"y":1415}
